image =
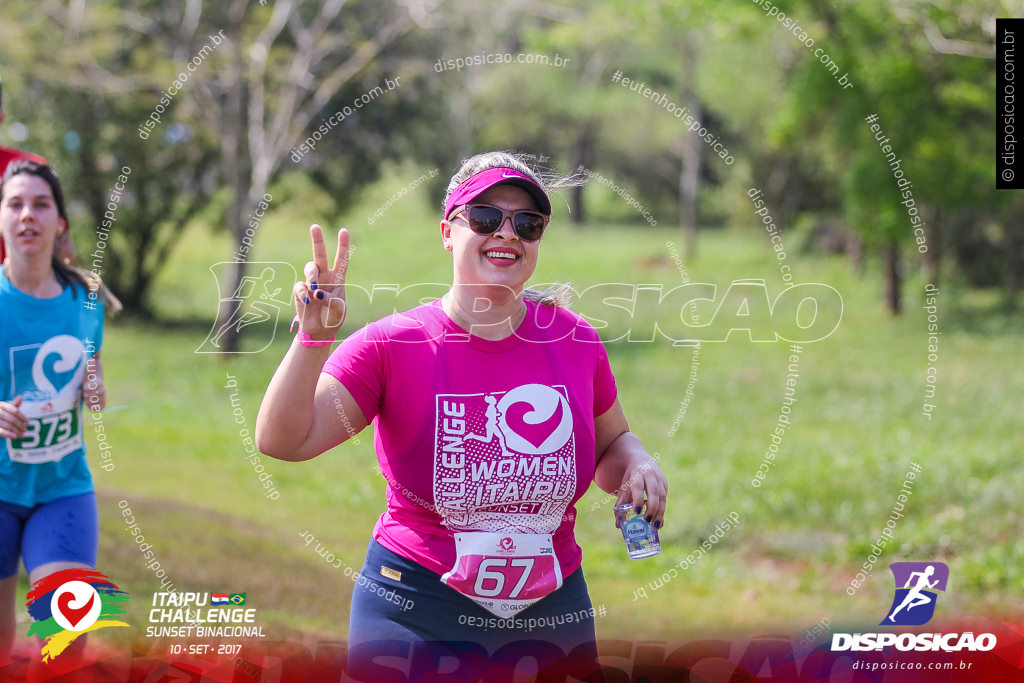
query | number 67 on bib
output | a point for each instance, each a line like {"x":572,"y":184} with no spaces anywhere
{"x":504,"y":573}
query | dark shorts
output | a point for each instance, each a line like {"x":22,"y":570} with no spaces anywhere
{"x":63,"y":530}
{"x":418,"y":627}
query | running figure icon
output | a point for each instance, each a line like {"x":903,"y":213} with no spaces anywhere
{"x":493,"y":427}
{"x":915,"y":597}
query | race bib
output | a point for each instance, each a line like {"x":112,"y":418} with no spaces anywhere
{"x":504,"y":573}
{"x":54,"y":430}
{"x":49,"y":377}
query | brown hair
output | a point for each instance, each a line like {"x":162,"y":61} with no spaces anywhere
{"x":67,"y":276}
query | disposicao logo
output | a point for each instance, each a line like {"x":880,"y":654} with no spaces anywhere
{"x":71,"y":602}
{"x":913,"y":604}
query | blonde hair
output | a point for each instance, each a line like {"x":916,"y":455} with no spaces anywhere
{"x":549,"y":181}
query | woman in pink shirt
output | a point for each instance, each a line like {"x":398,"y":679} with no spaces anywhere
{"x":495,"y":409}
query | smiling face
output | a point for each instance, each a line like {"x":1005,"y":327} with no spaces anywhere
{"x":29,"y":220}
{"x":501,"y":258}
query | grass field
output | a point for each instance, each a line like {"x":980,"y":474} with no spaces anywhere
{"x":856,"y":428}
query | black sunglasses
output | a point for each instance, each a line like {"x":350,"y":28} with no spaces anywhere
{"x":485,"y":219}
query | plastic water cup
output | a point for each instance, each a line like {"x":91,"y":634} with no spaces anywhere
{"x":641,"y":538}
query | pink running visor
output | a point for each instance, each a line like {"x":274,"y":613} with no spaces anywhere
{"x":484,"y":180}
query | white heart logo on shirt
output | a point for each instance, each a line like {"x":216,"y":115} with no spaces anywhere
{"x":535,"y":419}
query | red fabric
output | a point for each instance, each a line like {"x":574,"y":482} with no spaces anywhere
{"x":7,"y":155}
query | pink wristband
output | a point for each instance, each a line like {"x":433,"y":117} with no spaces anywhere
{"x":305,"y":339}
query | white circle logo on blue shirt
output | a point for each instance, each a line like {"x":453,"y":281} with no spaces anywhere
{"x":58,"y":364}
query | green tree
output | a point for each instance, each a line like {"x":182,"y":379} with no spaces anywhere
{"x":80,"y":108}
{"x":270,"y":85}
{"x":928,"y":93}
{"x":685,"y":51}
{"x":197,"y":97}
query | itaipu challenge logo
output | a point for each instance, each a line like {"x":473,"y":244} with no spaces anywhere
{"x":70,"y":603}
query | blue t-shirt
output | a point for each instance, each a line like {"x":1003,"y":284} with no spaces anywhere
{"x":44,"y":344}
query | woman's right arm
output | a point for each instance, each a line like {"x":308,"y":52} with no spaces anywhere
{"x":304,"y":411}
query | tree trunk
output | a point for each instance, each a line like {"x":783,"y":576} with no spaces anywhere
{"x":855,"y":253}
{"x":933,"y":237}
{"x":461,"y":107}
{"x":689,"y":184}
{"x":689,"y":177}
{"x":581,"y":151}
{"x":893,"y":281}
{"x":777,"y":196}
{"x":253,"y":146}
{"x":92,"y":186}
{"x":234,"y":147}
{"x":1014,"y":257}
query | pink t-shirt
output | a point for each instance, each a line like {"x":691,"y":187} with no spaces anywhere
{"x":478,"y":435}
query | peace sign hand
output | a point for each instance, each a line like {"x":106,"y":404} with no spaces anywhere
{"x":320,"y":300}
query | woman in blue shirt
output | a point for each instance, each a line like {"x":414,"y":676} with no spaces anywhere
{"x":51,"y":331}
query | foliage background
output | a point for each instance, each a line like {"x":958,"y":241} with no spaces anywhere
{"x":79,"y":79}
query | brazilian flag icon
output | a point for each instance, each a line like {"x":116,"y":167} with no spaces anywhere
{"x":237,"y":598}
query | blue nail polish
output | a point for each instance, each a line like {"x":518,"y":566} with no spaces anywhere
{"x":638,"y":509}
{"x":657,"y":525}
{"x":320,"y":294}
{"x":305,"y":299}
{"x":312,"y":286}
{"x":648,"y":518}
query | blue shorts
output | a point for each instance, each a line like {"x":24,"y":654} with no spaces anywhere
{"x":419,"y":626}
{"x":63,"y":530}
